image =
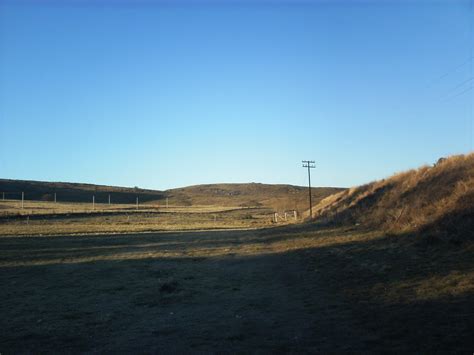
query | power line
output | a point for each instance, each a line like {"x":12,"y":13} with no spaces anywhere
{"x":451,"y":98}
{"x":460,"y":85}
{"x":450,"y":71}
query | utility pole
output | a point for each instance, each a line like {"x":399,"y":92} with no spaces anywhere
{"x":310,"y":165}
{"x":93,"y":202}
{"x":22,"y":200}
{"x":109,"y":199}
{"x":55,"y":197}
{"x":137,"y":203}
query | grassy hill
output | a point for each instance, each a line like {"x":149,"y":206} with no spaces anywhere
{"x":278,"y":197}
{"x":436,"y":200}
{"x":74,"y":192}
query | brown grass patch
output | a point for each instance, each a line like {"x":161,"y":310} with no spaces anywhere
{"x":435,"y":201}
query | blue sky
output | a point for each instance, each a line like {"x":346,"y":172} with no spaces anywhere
{"x":159,"y":94}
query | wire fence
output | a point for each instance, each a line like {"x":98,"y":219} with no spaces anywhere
{"x":16,"y":203}
{"x":19,"y":202}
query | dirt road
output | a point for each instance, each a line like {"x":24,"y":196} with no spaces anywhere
{"x":235,"y":291}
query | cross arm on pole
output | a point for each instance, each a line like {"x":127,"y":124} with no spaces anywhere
{"x":308,"y":164}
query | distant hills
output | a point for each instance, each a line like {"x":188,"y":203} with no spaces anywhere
{"x":278,"y":197}
{"x":75,"y":192}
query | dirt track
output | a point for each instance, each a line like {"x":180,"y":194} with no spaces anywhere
{"x":235,"y":291}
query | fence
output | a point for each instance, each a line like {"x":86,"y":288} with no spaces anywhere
{"x":9,"y":199}
{"x":285,"y":216}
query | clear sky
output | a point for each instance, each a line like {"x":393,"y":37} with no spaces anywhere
{"x":162,"y":94}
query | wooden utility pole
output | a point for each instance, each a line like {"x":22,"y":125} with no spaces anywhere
{"x":310,"y":165}
{"x":55,"y":197}
{"x":22,"y":200}
{"x":109,"y":199}
{"x":93,"y":202}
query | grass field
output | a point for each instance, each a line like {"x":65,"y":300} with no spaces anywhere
{"x":216,"y":206}
{"x":12,"y":208}
{"x":386,"y":267}
{"x":292,"y":289}
{"x":47,"y":218}
{"x":276,"y":197}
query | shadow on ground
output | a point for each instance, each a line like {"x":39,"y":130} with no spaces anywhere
{"x":277,"y":290}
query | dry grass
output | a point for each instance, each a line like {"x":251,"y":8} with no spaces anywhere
{"x":74,"y":220}
{"x":299,"y":289}
{"x":436,"y":200}
{"x":224,"y":206}
{"x":278,"y":197}
{"x":11,"y":208}
{"x":294,"y":289}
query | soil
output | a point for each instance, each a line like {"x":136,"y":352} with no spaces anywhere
{"x":284,"y":290}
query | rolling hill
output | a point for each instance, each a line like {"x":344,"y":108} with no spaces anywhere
{"x":437,"y":201}
{"x":278,"y":197}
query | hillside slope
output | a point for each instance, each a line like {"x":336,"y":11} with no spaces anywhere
{"x":436,"y":200}
{"x":278,"y":197}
